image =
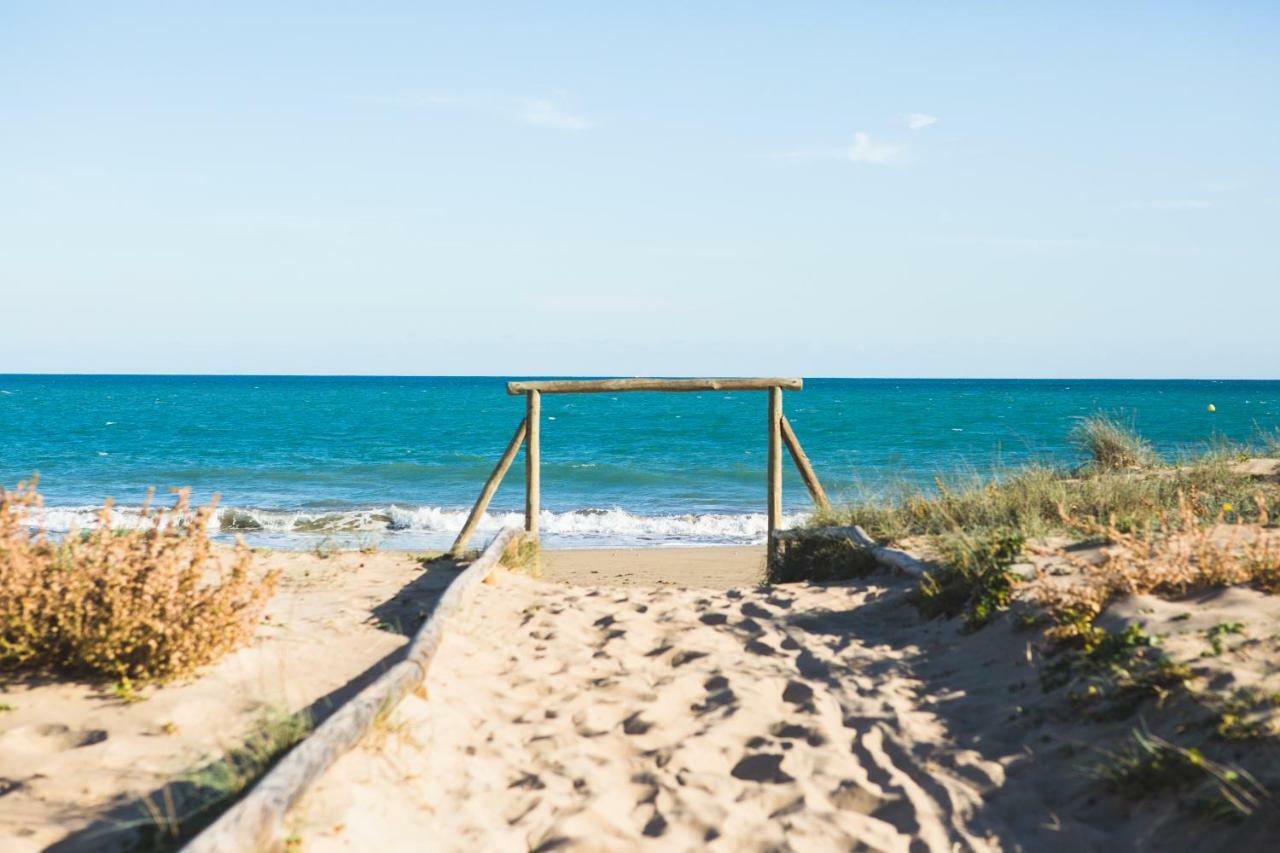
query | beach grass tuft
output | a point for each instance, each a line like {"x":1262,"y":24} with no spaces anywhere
{"x":973,"y":578}
{"x":181,"y":809}
{"x":523,"y":554}
{"x":1112,"y":444}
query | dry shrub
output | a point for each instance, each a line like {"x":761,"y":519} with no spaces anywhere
{"x":1172,"y":557}
{"x":152,"y":603}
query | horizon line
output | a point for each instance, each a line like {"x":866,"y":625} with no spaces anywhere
{"x":510,"y":376}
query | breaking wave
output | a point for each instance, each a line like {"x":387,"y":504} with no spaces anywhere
{"x":597,"y":526}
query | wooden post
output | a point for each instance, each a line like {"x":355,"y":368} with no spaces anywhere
{"x":486,"y":494}
{"x":802,"y":464}
{"x":532,"y":476}
{"x":775,"y":469}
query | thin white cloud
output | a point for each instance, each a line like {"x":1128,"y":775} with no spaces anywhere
{"x":533,"y":111}
{"x":916,"y":121}
{"x":863,"y":150}
{"x":1183,"y":204}
{"x":543,"y":112}
{"x":866,"y":150}
{"x":830,"y":152}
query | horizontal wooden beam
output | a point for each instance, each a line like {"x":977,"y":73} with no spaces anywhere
{"x":603,"y":386}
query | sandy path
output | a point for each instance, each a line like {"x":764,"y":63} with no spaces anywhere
{"x":720,"y":567}
{"x":611,"y":718}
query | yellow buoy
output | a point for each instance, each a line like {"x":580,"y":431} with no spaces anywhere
{"x":1213,"y":408}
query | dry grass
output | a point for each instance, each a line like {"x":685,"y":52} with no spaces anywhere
{"x":1170,"y":558}
{"x":149,"y":604}
{"x":523,"y":554}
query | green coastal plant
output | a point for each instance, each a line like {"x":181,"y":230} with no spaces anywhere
{"x":195,"y":800}
{"x":821,"y":559}
{"x":1150,"y":765}
{"x":1111,"y":444}
{"x":973,"y":577}
{"x":1037,"y":501}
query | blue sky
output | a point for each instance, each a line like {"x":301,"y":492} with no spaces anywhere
{"x":1088,"y":189}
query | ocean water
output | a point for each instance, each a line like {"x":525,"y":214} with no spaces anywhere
{"x":396,"y":461}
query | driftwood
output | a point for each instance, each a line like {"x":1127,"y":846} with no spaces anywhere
{"x":889,"y":557}
{"x":601,"y":386}
{"x":256,"y":821}
{"x":486,"y":494}
{"x":533,"y":462}
{"x":803,"y":465}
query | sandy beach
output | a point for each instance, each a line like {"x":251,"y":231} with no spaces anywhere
{"x":81,"y":764}
{"x":632,"y":699}
{"x":798,"y":717}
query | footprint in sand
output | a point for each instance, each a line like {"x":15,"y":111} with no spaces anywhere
{"x":50,"y":737}
{"x":656,"y":826}
{"x":719,"y":695}
{"x":634,"y":725}
{"x":763,"y":767}
{"x":684,"y":656}
{"x":800,"y":695}
{"x":793,"y":731}
{"x":850,"y":796}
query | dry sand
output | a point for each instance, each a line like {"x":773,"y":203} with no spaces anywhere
{"x":713,"y":568}
{"x":74,"y":758}
{"x":798,"y":717}
{"x":605,"y":719}
{"x":656,"y":698}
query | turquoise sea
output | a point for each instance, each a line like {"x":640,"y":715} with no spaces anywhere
{"x":396,"y":461}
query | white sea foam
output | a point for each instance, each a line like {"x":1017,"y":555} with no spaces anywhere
{"x":615,"y":525}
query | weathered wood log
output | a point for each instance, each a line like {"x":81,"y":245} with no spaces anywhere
{"x":775,"y":470}
{"x":601,"y":386}
{"x":803,"y":465}
{"x":486,"y":494}
{"x":533,"y":462}
{"x":255,"y":823}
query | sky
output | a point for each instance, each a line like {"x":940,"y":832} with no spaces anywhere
{"x":845,"y":189}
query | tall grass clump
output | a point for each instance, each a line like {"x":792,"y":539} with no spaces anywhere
{"x":973,"y":577}
{"x":1038,"y":501}
{"x":148,"y":604}
{"x":1270,"y":443}
{"x":1111,"y":444}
